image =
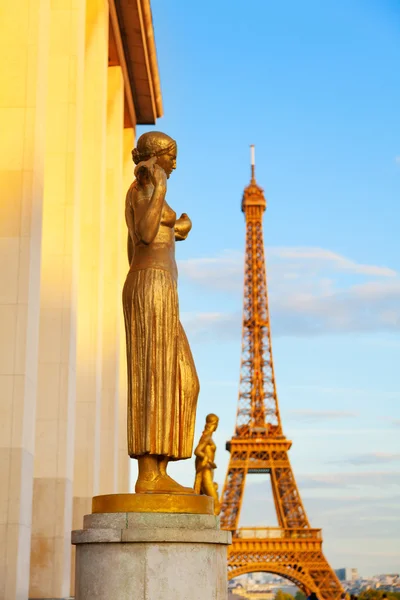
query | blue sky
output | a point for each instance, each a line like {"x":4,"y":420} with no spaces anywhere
{"x":316,"y":87}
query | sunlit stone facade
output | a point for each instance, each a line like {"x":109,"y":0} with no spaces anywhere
{"x":76,"y":78}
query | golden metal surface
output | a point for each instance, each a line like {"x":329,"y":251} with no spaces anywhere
{"x":162,"y":381}
{"x":205,"y":463}
{"x":293,"y":550}
{"x":158,"y":503}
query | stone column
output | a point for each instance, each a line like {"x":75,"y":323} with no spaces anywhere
{"x":149,"y":556}
{"x":23,"y":72}
{"x":112,"y":306}
{"x":123,"y":266}
{"x":89,"y":303}
{"x":55,"y":415}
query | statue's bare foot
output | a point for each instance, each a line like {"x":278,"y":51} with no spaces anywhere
{"x":174,"y":484}
{"x":163,"y":484}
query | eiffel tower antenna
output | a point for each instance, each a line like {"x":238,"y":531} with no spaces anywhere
{"x":253,"y":163}
{"x":258,"y":445}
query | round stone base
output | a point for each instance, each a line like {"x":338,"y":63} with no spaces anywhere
{"x":148,"y":556}
{"x":153,"y":503}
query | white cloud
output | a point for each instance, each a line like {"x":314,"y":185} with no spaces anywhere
{"x":321,"y":258}
{"x":223,"y":272}
{"x":311,"y":291}
{"x":373,"y":458}
{"x":357,"y":479}
{"x":322,"y":415}
{"x":212,"y":325}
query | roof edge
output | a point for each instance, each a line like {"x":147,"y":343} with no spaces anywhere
{"x":152,"y":54}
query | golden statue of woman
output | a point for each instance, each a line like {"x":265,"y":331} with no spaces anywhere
{"x":205,"y":463}
{"x":162,"y":381}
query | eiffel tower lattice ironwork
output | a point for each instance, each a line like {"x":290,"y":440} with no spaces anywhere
{"x":292,"y":550}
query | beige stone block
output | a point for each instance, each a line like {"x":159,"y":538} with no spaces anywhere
{"x":6,"y":412}
{"x":58,"y":72}
{"x":52,"y":290}
{"x":32,"y":75}
{"x":10,"y":203}
{"x":5,"y":460}
{"x":43,"y":507}
{"x":83,"y":473}
{"x":72,"y":117}
{"x":21,"y":413}
{"x":72,"y":199}
{"x":46,"y":450}
{"x":68,"y":318}
{"x":73,"y":564}
{"x":51,"y":335}
{"x":52,"y":519}
{"x":9,"y":266}
{"x":58,"y":143}
{"x":26,"y":208}
{"x":53,"y":228}
{"x":13,"y":74}
{"x":63,"y":513}
{"x":67,"y":388}
{"x":10,"y":581}
{"x":55,"y":182}
{"x":73,"y":74}
{"x":23,"y":269}
{"x":14,"y":25}
{"x":62,"y":567}
{"x":41,"y":568}
{"x":70,"y":240}
{"x":81,"y":506}
{"x":21,"y":332}
{"x":8,"y":328}
{"x":60,"y":4}
{"x":3,"y":554}
{"x":30,"y":126}
{"x":62,"y":34}
{"x":62,"y":451}
{"x":18,"y":565}
{"x":47,"y":404}
{"x":20,"y":487}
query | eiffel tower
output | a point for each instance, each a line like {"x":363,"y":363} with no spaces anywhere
{"x":292,"y":550}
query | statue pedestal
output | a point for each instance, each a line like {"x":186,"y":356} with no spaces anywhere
{"x":151,"y":556}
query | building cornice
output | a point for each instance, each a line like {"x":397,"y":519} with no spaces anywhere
{"x":132,"y":46}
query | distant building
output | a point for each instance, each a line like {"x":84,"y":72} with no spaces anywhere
{"x":347,"y":574}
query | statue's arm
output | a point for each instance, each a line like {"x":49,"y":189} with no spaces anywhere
{"x":130,"y":248}
{"x":129,"y":222}
{"x":182,"y":227}
{"x":200,"y":450}
{"x":148,"y":214}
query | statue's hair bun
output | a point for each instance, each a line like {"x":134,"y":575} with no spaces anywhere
{"x":136,"y":156}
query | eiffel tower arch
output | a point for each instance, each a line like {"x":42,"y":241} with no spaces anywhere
{"x":292,"y":550}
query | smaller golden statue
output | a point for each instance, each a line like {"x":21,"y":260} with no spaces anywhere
{"x":205,"y":465}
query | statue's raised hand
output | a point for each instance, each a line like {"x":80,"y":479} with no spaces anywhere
{"x":158,"y":176}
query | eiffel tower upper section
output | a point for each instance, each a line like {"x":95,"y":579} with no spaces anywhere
{"x":258,"y":410}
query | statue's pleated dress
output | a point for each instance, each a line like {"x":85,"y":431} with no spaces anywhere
{"x":162,"y":381}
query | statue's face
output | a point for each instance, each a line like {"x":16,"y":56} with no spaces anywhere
{"x":168,"y":161}
{"x":213,"y":426}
